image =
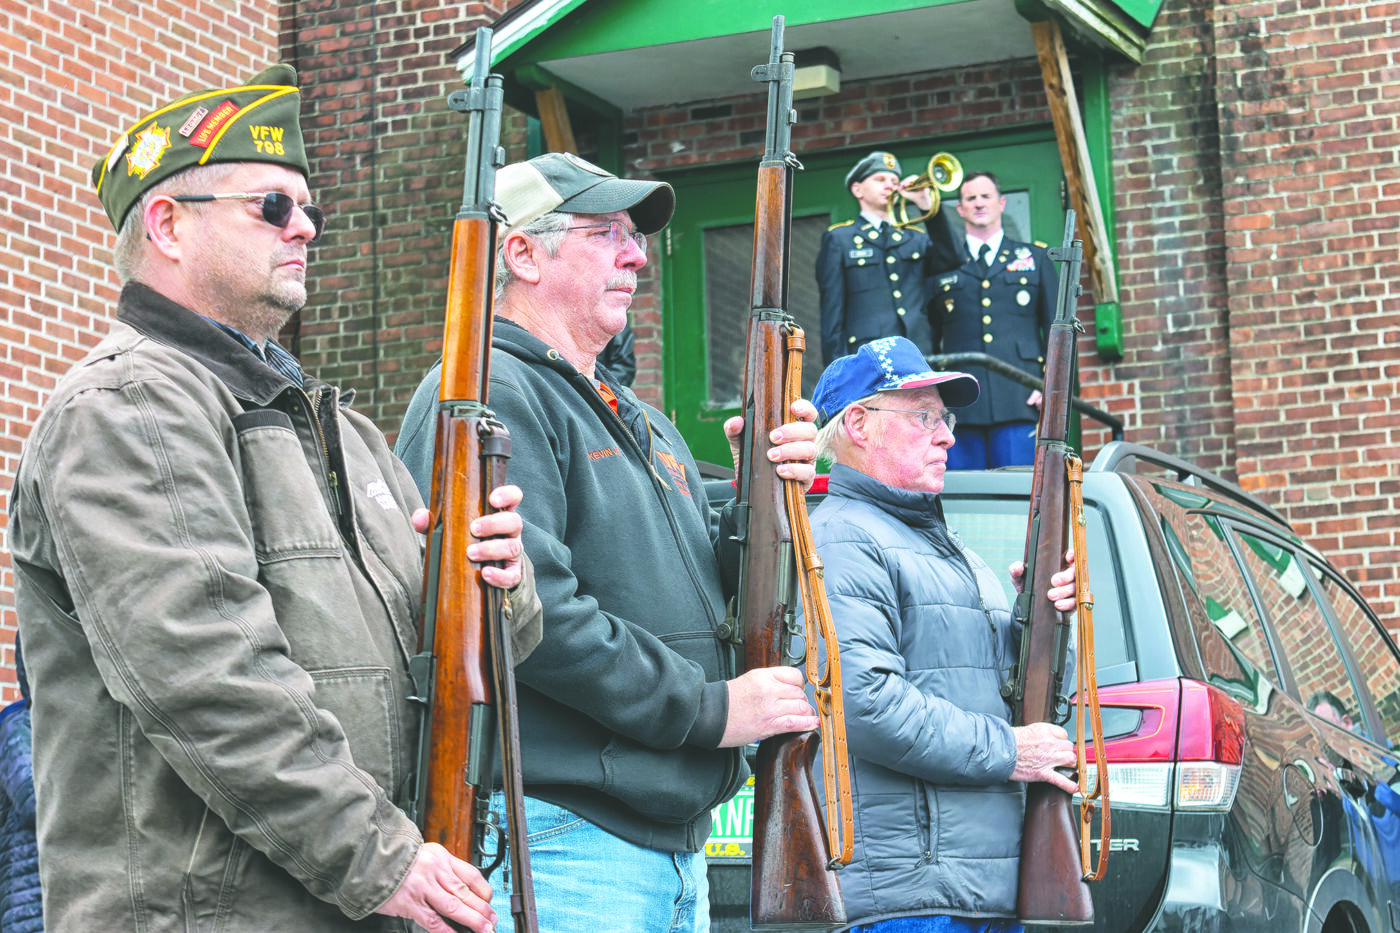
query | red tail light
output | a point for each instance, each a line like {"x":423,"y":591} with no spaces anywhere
{"x":1177,"y":742}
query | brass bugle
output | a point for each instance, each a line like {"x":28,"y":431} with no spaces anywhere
{"x":943,"y":176}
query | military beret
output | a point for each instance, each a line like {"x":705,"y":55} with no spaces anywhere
{"x":875,"y":162}
{"x":257,"y":122}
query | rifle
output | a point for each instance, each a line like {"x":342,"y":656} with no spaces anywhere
{"x":793,"y":882}
{"x":1052,"y":890}
{"x":464,"y":673}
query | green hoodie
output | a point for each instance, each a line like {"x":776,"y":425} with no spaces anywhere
{"x":623,"y":704}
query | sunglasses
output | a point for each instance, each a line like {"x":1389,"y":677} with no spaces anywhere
{"x":276,"y":208}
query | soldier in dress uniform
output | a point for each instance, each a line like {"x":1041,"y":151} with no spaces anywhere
{"x":874,"y":277}
{"x":1000,"y":301}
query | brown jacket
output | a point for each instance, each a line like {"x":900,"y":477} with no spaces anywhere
{"x":218,"y":592}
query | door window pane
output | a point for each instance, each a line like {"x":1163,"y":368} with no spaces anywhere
{"x":728,"y":293}
{"x":1234,"y":648}
{"x":1371,"y":648}
{"x":1303,"y":633}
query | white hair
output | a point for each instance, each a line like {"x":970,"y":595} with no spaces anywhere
{"x":547,"y":229}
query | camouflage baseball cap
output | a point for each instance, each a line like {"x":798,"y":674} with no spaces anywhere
{"x":257,"y":122}
{"x":561,"y":181}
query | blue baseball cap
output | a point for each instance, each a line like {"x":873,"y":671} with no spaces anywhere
{"x":885,"y":365}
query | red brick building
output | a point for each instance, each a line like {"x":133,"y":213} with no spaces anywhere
{"x":1244,"y":153}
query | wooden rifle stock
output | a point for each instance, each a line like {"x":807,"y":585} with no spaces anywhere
{"x":1052,"y":887}
{"x":464,"y":671}
{"x":792,"y":881}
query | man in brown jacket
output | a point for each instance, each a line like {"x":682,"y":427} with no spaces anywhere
{"x":218,"y":574}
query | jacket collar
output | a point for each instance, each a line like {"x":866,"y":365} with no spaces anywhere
{"x":171,"y":324}
{"x":519,"y":342}
{"x":918,"y":509}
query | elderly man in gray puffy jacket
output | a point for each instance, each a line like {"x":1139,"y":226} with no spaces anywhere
{"x":927,"y":640}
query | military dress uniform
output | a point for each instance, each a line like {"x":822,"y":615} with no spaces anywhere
{"x":1004,"y":310}
{"x":874,"y":282}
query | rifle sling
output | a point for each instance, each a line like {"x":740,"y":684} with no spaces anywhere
{"x":836,"y":769}
{"x":1087,"y":683}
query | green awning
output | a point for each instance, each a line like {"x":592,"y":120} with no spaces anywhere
{"x":617,"y":56}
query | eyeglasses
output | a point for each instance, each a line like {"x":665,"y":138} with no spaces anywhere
{"x":618,"y":234}
{"x":929,"y":419}
{"x":276,"y":208}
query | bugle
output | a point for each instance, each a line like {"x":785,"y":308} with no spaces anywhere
{"x":943,"y":175}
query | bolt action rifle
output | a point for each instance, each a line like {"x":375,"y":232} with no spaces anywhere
{"x":793,"y":882}
{"x":464,"y":672}
{"x":1053,"y":887}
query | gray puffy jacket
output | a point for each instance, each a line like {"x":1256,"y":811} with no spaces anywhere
{"x":926,"y":641}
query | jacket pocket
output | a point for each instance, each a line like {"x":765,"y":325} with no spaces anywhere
{"x":671,"y":785}
{"x":361,"y":701}
{"x":213,"y":876}
{"x":1029,"y":350}
{"x":929,"y":823}
{"x":864,"y":273}
{"x":289,"y":512}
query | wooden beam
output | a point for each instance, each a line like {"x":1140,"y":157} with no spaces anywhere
{"x":554,"y":119}
{"x":1074,"y":155}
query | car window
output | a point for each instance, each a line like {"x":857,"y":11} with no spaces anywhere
{"x":1304,"y":637}
{"x":995,"y":528}
{"x":1371,"y":649}
{"x":1234,"y":649}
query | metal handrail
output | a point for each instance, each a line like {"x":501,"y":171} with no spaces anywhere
{"x":1003,"y":368}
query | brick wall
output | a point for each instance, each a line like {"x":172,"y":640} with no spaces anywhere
{"x":1173,"y":387}
{"x":75,"y":75}
{"x":1308,"y":96}
{"x":387,"y":154}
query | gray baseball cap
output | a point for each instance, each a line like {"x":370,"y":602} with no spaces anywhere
{"x":561,"y":181}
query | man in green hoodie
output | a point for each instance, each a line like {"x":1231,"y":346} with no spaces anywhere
{"x":632,"y":720}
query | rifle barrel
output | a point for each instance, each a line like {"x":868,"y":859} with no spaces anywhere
{"x":792,"y":886}
{"x":1052,"y":888}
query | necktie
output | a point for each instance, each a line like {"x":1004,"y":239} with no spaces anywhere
{"x":984,"y":257}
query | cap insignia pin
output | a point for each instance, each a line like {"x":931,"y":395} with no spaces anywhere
{"x":144,"y":157}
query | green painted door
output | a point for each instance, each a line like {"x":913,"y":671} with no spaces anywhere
{"x":709,"y":247}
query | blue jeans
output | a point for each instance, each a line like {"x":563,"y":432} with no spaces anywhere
{"x":940,"y":925}
{"x":586,"y":878}
{"x":986,"y":448}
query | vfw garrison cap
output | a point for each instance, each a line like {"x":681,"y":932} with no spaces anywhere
{"x":875,"y":162}
{"x":561,"y":181}
{"x":256,"y":122}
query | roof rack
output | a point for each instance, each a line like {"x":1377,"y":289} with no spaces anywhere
{"x":1122,"y":457}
